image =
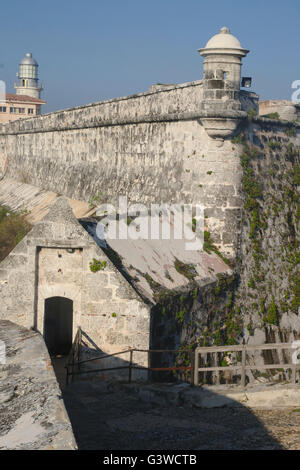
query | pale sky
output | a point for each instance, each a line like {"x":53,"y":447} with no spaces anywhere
{"x":95,"y":50}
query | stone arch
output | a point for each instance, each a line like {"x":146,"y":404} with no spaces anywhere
{"x":57,"y":290}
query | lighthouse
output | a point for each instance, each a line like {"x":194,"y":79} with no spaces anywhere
{"x":28,"y":82}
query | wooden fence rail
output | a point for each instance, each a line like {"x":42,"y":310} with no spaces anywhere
{"x":242,"y":367}
{"x":216,"y":354}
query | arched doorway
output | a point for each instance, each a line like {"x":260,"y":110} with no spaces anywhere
{"x":58,"y":325}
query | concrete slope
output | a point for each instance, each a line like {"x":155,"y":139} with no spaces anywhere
{"x":165,"y":263}
{"x":18,"y":196}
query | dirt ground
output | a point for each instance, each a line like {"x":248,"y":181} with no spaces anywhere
{"x":115,"y":420}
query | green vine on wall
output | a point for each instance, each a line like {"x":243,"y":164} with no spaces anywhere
{"x":97,"y":265}
{"x":271,"y":199}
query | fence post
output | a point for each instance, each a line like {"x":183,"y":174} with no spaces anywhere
{"x":216,"y":364}
{"x":130,"y":366}
{"x":205,"y":360}
{"x":196,"y":367}
{"x":243,"y":375}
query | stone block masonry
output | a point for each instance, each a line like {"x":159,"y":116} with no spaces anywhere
{"x":54,"y":261}
{"x":163,"y":146}
{"x":151,"y":147}
{"x":32,"y":413}
{"x":175,"y":144}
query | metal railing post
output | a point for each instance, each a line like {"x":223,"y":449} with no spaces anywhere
{"x":73,"y":356}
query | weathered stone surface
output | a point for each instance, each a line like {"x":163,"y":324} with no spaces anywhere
{"x":268,"y":295}
{"x":55,"y":265}
{"x":257,"y":397}
{"x":148,"y":146}
{"x":130,"y":419}
{"x":284,"y":108}
{"x":153,"y":147}
{"x":32,"y":413}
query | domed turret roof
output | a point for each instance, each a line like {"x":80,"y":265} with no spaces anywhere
{"x":28,"y":60}
{"x":224,"y":39}
{"x":223,"y":42}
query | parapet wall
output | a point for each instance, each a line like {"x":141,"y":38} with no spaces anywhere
{"x":286,"y":110}
{"x":33,"y":416}
{"x":148,"y":106}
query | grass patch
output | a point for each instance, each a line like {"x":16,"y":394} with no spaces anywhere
{"x":187,"y":270}
{"x":13,"y":227}
{"x":209,"y":246}
{"x":274,"y":116}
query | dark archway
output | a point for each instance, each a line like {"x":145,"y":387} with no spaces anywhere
{"x":58,"y":325}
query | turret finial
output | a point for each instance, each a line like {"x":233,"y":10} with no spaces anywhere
{"x":224,"y":30}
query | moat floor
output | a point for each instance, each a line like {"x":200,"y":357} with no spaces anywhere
{"x":113,"y":420}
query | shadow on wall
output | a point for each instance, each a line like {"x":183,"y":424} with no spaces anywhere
{"x":108,"y":415}
{"x":115,"y":367}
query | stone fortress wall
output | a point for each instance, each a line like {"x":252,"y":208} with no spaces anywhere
{"x":168,"y":145}
{"x":173,"y":144}
{"x":287,"y":110}
{"x":151,"y":147}
{"x":54,"y":260}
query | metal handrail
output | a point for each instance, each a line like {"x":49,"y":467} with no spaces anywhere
{"x":104,"y":357}
{"x":131,"y":365}
{"x":137,"y":350}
